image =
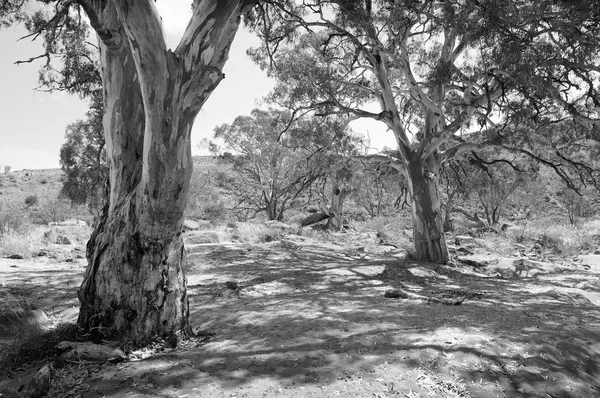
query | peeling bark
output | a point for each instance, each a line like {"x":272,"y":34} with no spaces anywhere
{"x":428,"y":231}
{"x":336,"y":208}
{"x":134,"y":288}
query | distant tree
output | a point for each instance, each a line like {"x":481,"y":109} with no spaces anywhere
{"x":275,"y":159}
{"x":440,"y":70}
{"x":378,"y":188}
{"x":7,"y":169}
{"x":83,"y":160}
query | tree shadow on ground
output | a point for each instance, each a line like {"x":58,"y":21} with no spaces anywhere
{"x":308,"y":320}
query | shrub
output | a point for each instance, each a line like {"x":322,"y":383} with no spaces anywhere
{"x":31,"y":200}
{"x":56,"y":210}
{"x":7,"y":169}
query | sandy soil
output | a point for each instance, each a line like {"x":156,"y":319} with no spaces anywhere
{"x":309,"y":319}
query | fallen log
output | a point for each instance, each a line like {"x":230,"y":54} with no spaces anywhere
{"x":401,"y":293}
{"x":313,"y":218}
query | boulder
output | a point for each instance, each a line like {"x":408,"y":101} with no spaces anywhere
{"x":190,"y":225}
{"x":423,"y":272}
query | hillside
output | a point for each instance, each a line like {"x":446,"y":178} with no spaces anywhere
{"x":16,"y":186}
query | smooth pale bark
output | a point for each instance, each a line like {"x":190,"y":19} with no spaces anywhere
{"x":135,"y":286}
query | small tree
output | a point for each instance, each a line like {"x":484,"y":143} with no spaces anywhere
{"x":7,"y":169}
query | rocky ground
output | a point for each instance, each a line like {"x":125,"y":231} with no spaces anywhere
{"x":300,"y":317}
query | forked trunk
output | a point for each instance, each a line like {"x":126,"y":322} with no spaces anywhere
{"x":134,"y":288}
{"x":428,"y":231}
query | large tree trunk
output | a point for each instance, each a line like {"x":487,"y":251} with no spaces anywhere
{"x":335,"y":210}
{"x":428,"y":231}
{"x":134,"y":288}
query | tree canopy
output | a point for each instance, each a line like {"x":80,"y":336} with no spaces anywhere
{"x":278,"y":158}
{"x":436,"y":72}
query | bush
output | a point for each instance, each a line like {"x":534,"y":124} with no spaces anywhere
{"x":31,"y":200}
{"x":56,"y":210}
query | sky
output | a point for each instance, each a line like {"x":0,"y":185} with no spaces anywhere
{"x":33,"y":122}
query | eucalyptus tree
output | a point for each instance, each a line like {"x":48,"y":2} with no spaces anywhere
{"x":434,"y":72}
{"x":134,"y":286}
{"x":277,"y":158}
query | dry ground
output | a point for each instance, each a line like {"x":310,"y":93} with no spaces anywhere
{"x":309,"y":319}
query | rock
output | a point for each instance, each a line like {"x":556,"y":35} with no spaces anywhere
{"x":464,"y":250}
{"x":231,"y":285}
{"x":42,"y":254}
{"x":73,"y":222}
{"x":62,"y":240}
{"x":190,"y":225}
{"x":478,"y":260}
{"x":15,"y":257}
{"x":40,"y":383}
{"x":425,"y":273}
{"x":462,"y":239}
{"x":394,"y":294}
{"x":89,"y":352}
{"x":591,"y":260}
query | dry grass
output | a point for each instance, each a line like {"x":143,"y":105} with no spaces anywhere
{"x":23,"y":339}
{"x":25,"y":242}
{"x":260,"y":232}
{"x":560,"y":239}
{"x":28,"y":241}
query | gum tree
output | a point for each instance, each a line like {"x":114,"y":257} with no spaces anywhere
{"x":434,"y":72}
{"x":134,"y":286}
{"x":276,"y":158}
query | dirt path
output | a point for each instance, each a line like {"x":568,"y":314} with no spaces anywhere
{"x":300,"y":319}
